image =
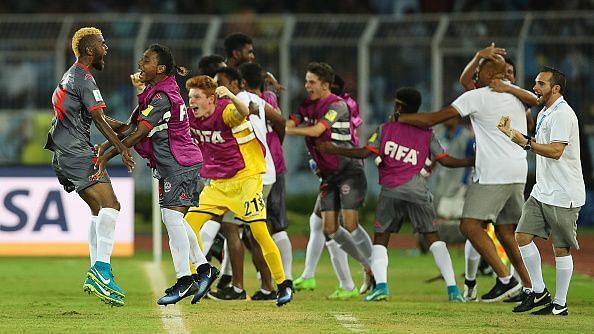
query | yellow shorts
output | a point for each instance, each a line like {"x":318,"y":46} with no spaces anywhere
{"x":242,"y":196}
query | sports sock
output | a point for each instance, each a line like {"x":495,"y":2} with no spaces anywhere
{"x":514,"y":273}
{"x":281,"y":239}
{"x":532,"y":261}
{"x":269,"y":250}
{"x":178,"y":241}
{"x":93,"y":240}
{"x":347,"y":244}
{"x":472,"y":258}
{"x":564,"y":270}
{"x":106,"y":221}
{"x":226,"y":265}
{"x":340,"y":262}
{"x":196,"y":255}
{"x":441,"y":255}
{"x":379,"y":263}
{"x":363,"y":240}
{"x":196,"y":219}
{"x":505,"y":280}
{"x":315,"y":246}
{"x":208,"y":233}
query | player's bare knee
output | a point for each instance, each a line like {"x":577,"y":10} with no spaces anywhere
{"x":431,"y":237}
{"x":562,"y":251}
{"x":523,"y":239}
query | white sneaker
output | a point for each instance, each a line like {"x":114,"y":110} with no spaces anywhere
{"x":470,"y":294}
{"x":368,"y":281}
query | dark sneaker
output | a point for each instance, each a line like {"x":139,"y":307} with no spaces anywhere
{"x":534,"y":300}
{"x":501,"y":291}
{"x":264,"y":296}
{"x":224,"y":282}
{"x":517,"y":298}
{"x":552,"y":309}
{"x":285,"y":293}
{"x":227,"y":293}
{"x":205,"y":279}
{"x":184,"y":287}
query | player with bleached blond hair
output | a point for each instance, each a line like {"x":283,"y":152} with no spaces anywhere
{"x":77,"y":102}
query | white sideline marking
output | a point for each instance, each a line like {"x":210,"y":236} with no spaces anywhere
{"x":171,"y":316}
{"x":349,"y":322}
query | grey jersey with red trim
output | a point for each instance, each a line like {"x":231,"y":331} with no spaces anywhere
{"x":337,"y":119}
{"x":157,"y":115}
{"x":76,"y":96}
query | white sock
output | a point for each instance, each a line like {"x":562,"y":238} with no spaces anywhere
{"x":515,"y":273}
{"x":472,"y":258}
{"x":532,"y":261}
{"x":340,"y":262}
{"x":93,"y":239}
{"x":106,"y":221}
{"x":208,"y":233}
{"x":196,"y":255}
{"x":178,"y":241}
{"x":379,"y":263}
{"x":346,"y":242}
{"x":363,"y":241}
{"x":315,"y":246}
{"x":564,"y":270}
{"x":281,"y":239}
{"x":226,"y":265}
{"x":443,"y":261}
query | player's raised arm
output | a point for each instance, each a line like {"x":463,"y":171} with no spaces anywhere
{"x":241,"y":107}
{"x":466,"y":78}
{"x":526,"y":96}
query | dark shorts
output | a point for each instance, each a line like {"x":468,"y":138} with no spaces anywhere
{"x":391,"y":214}
{"x":181,"y":189}
{"x":276,"y":209}
{"x":343,"y":191}
{"x":75,"y":172}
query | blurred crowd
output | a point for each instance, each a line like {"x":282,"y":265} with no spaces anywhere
{"x":276,"y":7}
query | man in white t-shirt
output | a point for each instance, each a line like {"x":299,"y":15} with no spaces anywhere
{"x":559,"y":192}
{"x":496,"y":194}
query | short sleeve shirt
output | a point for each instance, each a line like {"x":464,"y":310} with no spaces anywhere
{"x":155,"y":116}
{"x":498,"y":159}
{"x":76,"y":96}
{"x":559,"y":182}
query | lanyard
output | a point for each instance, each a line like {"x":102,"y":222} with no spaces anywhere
{"x":538,"y":125}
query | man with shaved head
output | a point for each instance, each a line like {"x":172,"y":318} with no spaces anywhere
{"x":496,"y":194}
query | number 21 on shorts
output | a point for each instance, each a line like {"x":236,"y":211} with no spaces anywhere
{"x":255,"y":205}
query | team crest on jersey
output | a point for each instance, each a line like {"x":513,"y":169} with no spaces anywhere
{"x":88,"y":76}
{"x":167,"y":186}
{"x":331,"y":115}
{"x":157,"y":96}
{"x":345,"y":189}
